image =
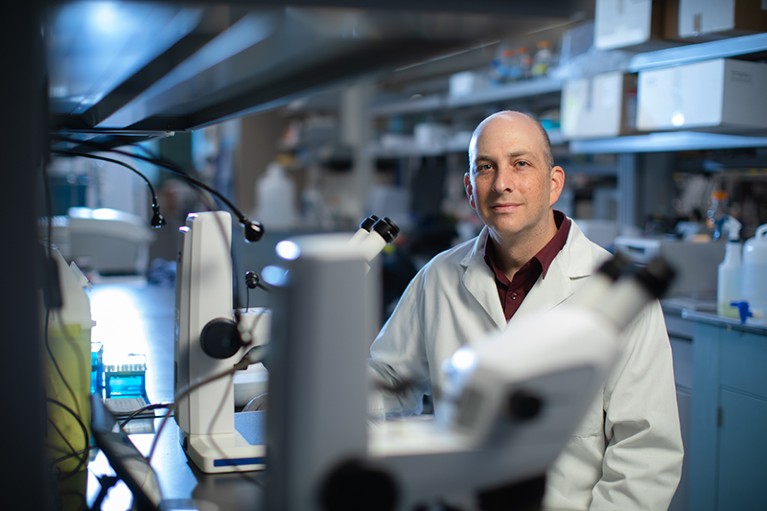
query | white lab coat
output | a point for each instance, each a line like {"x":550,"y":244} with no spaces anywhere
{"x":627,"y":453}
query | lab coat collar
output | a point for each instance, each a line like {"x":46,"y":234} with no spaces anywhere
{"x":479,"y":280}
{"x":574,"y":262}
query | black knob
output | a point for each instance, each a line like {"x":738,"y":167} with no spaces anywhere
{"x":524,"y":405}
{"x":357,"y":482}
{"x":220,"y":338}
{"x":254,"y":231}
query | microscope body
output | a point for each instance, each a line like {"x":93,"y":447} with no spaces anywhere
{"x":204,"y":297}
{"x":511,"y":401}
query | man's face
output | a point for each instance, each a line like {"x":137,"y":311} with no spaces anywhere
{"x":510,"y":183}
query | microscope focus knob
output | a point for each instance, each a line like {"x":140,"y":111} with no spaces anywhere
{"x":354,"y":482}
{"x":524,"y":405}
{"x":220,"y":338}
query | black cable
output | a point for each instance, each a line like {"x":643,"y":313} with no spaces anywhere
{"x":135,"y":414}
{"x":74,"y":454}
{"x":86,"y":436}
{"x":254,"y":230}
{"x":250,"y":227}
{"x":157,"y":219}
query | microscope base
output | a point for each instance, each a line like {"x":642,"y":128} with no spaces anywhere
{"x":243,"y":450}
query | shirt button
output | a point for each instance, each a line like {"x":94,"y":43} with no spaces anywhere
{"x":513,"y":296}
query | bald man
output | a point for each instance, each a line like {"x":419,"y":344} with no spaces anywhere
{"x":627,"y":452}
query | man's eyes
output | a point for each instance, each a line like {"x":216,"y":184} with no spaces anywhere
{"x":483,"y":167}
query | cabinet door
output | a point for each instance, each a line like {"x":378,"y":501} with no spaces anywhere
{"x":680,"y":502}
{"x":742,"y":471}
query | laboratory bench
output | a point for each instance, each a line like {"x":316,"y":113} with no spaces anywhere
{"x":179,"y":479}
{"x":722,"y":395}
{"x":718,"y":364}
{"x":133,"y":316}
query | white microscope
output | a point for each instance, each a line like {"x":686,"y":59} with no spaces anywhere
{"x":212,"y":340}
{"x":510,"y":404}
{"x":512,"y":401}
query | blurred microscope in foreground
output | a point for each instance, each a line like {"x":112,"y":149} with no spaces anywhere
{"x":511,"y":402}
{"x":500,"y":421}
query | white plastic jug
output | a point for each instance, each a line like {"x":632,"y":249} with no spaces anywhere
{"x":754,"y":283}
{"x":276,"y":199}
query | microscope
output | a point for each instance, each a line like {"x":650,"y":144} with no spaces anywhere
{"x":510,"y":404}
{"x":213,"y":340}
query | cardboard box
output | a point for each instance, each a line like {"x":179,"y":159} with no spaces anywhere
{"x":717,"y":95}
{"x":635,"y":24}
{"x":702,"y":20}
{"x":603,"y":105}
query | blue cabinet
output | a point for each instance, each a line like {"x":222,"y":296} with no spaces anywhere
{"x":727,"y":457}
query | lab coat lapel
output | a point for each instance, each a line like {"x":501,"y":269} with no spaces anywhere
{"x":548,"y":291}
{"x":573,"y":264}
{"x":480,"y":283}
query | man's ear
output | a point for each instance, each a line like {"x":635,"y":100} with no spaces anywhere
{"x":557,"y":184}
{"x":468,"y":189}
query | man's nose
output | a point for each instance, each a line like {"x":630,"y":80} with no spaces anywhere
{"x":504,"y":180}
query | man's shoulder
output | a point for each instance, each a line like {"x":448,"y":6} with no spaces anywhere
{"x":583,"y":252}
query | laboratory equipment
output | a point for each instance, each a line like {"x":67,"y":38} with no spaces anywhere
{"x":208,"y":344}
{"x":696,"y":262}
{"x":728,"y":286}
{"x":363,"y":229}
{"x":125,"y":375}
{"x":511,"y":402}
{"x":755,"y":273}
{"x":212,"y":337}
{"x":276,"y":199}
{"x":68,"y":364}
{"x":105,"y":240}
{"x":131,"y":466}
{"x":380,"y":233}
{"x":97,"y":367}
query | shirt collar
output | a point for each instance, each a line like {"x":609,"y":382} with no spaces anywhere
{"x":546,"y":255}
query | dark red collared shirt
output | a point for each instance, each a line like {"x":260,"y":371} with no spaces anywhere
{"x":513,"y":292}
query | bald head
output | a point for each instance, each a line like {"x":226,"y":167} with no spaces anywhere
{"x":517,"y":117}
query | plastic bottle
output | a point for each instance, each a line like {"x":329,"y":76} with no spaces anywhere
{"x":543,"y":59}
{"x":507,"y":65}
{"x":68,"y":369}
{"x":755,"y":273}
{"x":276,"y":199}
{"x":728,"y":288}
{"x":717,"y":210}
{"x":524,"y":63}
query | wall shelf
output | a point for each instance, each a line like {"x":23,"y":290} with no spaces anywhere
{"x":508,"y":92}
{"x":667,"y":142}
{"x":722,"y":48}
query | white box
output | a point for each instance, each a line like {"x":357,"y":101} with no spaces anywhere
{"x":467,"y":83}
{"x":719,"y":94}
{"x":603,"y":105}
{"x":713,"y":19}
{"x":630,"y":24}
